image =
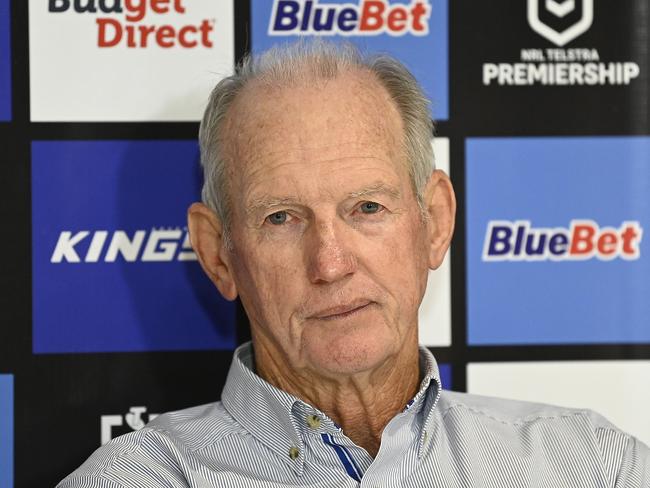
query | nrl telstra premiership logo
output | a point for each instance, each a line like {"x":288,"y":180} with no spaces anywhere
{"x":560,"y":10}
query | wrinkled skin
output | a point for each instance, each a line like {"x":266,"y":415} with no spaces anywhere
{"x":330,"y":249}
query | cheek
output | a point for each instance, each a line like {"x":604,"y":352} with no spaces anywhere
{"x":266,"y":284}
{"x":404,"y":264}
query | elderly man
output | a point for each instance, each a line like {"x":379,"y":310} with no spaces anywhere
{"x":323,"y":214}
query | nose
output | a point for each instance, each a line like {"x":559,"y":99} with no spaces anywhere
{"x":329,"y":257}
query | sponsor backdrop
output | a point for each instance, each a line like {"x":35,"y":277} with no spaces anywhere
{"x":5,"y":62}
{"x":107,"y":321}
{"x":6,"y":429}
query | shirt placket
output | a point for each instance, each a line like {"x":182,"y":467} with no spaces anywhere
{"x":331,"y":447}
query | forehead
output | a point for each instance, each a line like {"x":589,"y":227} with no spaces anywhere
{"x":311,"y":121}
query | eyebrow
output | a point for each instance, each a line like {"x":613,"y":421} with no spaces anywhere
{"x":375,"y":189}
{"x":267,"y":202}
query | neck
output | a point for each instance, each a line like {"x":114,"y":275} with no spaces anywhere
{"x":361,"y":403}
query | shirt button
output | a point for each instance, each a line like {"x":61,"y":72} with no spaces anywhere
{"x":294,"y":452}
{"x":313,"y":421}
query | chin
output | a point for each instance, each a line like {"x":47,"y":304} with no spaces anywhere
{"x":350,"y":354}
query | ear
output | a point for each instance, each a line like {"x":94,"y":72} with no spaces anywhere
{"x":440,"y":207}
{"x":206,"y":236}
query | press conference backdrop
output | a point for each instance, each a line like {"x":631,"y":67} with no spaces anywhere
{"x":106,"y":319}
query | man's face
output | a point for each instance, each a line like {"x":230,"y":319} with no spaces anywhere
{"x":329,"y":247}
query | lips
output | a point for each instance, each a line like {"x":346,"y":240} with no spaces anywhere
{"x":341,"y":311}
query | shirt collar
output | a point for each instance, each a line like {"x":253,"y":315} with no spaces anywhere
{"x":428,"y":395}
{"x":281,"y":421}
{"x":262,"y":409}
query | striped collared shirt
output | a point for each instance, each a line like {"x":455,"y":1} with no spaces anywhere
{"x":260,"y":436}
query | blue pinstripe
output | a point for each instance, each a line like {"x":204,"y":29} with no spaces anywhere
{"x":347,"y":460}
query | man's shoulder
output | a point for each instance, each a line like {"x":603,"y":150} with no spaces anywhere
{"x":196,"y":427}
{"x":515,"y":421}
{"x":563,"y":439}
{"x":516,"y":412}
{"x":158,"y":448}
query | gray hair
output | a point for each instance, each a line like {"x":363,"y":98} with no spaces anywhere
{"x":285,"y":65}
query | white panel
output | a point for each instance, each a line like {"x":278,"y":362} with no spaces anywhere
{"x":435,"y":311}
{"x":73,"y":79}
{"x":619,"y":390}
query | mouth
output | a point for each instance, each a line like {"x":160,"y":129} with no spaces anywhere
{"x":342,"y":311}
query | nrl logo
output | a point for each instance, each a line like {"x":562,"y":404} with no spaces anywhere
{"x":560,"y":10}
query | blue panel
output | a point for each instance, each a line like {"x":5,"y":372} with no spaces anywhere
{"x":6,"y":431}
{"x":565,"y":295}
{"x":445,"y":375}
{"x":5,"y":61}
{"x":86,"y":196}
{"x":425,"y":55}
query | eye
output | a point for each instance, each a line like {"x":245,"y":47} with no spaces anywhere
{"x":370,"y":207}
{"x":277,"y":218}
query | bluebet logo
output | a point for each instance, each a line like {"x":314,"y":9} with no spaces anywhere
{"x":582,"y":240}
{"x":368,"y":17}
{"x":156,"y":245}
{"x":414,"y":31}
{"x":555,"y":245}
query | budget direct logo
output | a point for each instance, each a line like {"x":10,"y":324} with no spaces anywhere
{"x":414,"y":31}
{"x":113,"y":267}
{"x":369,"y":17}
{"x":125,"y":22}
{"x":127,"y":60}
{"x":582,"y":240}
